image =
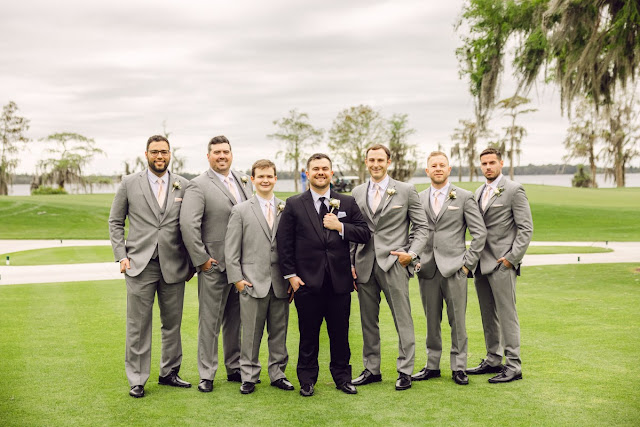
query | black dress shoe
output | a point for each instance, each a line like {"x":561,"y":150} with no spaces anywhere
{"x":205,"y":386}
{"x":484,"y":368}
{"x":426,"y":374}
{"x":283,"y":384}
{"x":306,"y":390}
{"x":247,"y":387}
{"x":347,"y":388}
{"x":366,"y":377}
{"x":459,"y":377}
{"x":403,"y":382}
{"x":173,"y":380}
{"x":137,"y":391}
{"x":507,"y":375}
{"x":234,"y":376}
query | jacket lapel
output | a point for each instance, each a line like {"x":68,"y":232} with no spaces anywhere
{"x":386,"y":197}
{"x":170,"y":197}
{"x":362,"y":199}
{"x":479,"y":192}
{"x":493,"y":196}
{"x":428,"y":204}
{"x":216,"y":181}
{"x":276,"y":221}
{"x":242,"y":187}
{"x":257,"y":210}
{"x":313,"y":215}
{"x":143,"y":180}
{"x":447,"y":202}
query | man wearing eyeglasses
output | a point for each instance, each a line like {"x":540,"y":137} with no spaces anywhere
{"x":154,"y":260}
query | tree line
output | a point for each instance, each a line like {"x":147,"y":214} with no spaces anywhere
{"x":590,"y":50}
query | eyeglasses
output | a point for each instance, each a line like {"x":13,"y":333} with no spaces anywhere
{"x":154,"y":153}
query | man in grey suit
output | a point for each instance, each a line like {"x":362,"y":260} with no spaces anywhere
{"x":445,"y":265}
{"x":153,"y":260}
{"x":252,"y":265}
{"x":507,"y":216}
{"x":207,"y":204}
{"x":385,"y":263}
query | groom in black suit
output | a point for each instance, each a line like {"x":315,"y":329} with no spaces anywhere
{"x":313,"y":238}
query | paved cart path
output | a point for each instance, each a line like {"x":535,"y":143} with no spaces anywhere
{"x":14,"y":275}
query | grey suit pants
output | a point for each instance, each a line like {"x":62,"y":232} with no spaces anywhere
{"x":395,"y":285}
{"x":254,"y":313}
{"x":218,"y":306}
{"x":497,"y":298}
{"x":141,"y":291}
{"x":453,"y":290}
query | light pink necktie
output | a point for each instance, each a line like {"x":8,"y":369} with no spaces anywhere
{"x":232,"y":190}
{"x":485,"y":197}
{"x":376,"y":199}
{"x":160,"y":196}
{"x":269,"y":215}
{"x":436,"y":203}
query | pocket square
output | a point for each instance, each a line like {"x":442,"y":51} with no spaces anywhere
{"x":453,"y":208}
{"x":496,"y":205}
{"x":178,"y":199}
{"x":396,"y":207}
{"x":342,"y":214}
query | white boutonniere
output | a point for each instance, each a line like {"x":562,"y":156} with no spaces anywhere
{"x":280,"y":207}
{"x":334,"y":204}
{"x":176,"y":186}
{"x":452,"y":194}
{"x":244,"y":180}
{"x":498,"y":191}
{"x":390,"y":192}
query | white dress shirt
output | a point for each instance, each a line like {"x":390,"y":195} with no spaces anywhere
{"x":234,"y":184}
{"x":153,"y":180}
{"x":372,"y":191}
{"x":442,"y":197}
{"x":491,"y":187}
{"x":263,"y":206}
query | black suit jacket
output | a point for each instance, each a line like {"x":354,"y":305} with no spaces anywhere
{"x":307,"y":249}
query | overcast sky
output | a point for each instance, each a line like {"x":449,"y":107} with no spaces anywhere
{"x":114,"y":71}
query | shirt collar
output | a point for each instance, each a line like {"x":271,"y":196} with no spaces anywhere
{"x":495,"y":182}
{"x":443,"y":190}
{"x":222,"y":177}
{"x":383,"y":184}
{"x":317,"y":196}
{"x":153,"y":177}
{"x":263,"y":202}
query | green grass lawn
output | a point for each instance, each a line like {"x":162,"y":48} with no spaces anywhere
{"x":552,"y":250}
{"x":559,"y":214}
{"x":63,"y":255}
{"x":89,"y":254}
{"x":62,"y":349}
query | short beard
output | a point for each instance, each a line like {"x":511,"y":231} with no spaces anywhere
{"x":153,"y":167}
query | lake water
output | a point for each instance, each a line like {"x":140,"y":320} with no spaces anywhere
{"x":633,"y":180}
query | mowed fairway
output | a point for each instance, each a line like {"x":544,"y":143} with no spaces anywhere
{"x":559,"y":214}
{"x":62,"y":349}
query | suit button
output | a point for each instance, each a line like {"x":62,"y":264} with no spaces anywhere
{"x":271,"y":249}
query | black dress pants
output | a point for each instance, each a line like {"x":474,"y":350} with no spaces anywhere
{"x":313,"y":307}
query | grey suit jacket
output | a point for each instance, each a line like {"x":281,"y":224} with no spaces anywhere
{"x":205,"y":214}
{"x":446,"y":249}
{"x":251,"y":251}
{"x":509,"y":225}
{"x":149,"y":226}
{"x":389,"y":227}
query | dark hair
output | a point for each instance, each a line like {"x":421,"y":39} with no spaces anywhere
{"x":491,"y":150}
{"x":437,"y":153}
{"x":318,"y":156}
{"x":263,"y":164}
{"x":157,"y":138}
{"x":220,"y":139}
{"x":378,"y":147}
